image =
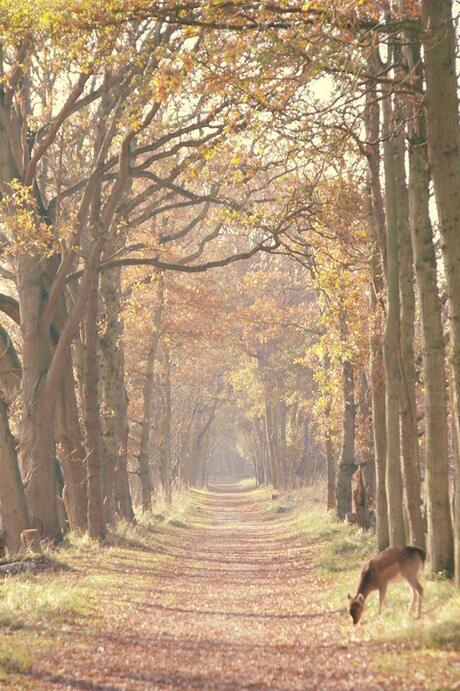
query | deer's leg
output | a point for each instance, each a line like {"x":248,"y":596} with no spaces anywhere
{"x":382,"y":593}
{"x":418,"y":593}
{"x":420,"y":596}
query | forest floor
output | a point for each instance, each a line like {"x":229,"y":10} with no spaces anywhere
{"x":237,"y":592}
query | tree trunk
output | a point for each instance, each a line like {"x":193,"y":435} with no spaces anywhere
{"x":378,"y":409}
{"x":165,"y":462}
{"x":368,"y":466}
{"x":110,"y":377}
{"x":391,"y":343}
{"x":15,"y":516}
{"x":408,"y":410}
{"x":69,"y":435}
{"x":123,"y":499}
{"x":376,"y":224}
{"x":73,"y":456}
{"x":37,"y":425}
{"x":330,"y":459}
{"x":148,"y":403}
{"x":456,"y":454}
{"x":273,"y":424}
{"x":96,"y":523}
{"x":273,"y":451}
{"x":347,"y":465}
{"x":441,"y":104}
{"x":437,"y":482}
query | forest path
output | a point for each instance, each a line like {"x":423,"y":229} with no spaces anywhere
{"x":233,"y":604}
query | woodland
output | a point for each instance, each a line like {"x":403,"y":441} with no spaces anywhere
{"x":230,"y":247}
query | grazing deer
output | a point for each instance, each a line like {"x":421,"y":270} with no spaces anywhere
{"x":386,"y":566}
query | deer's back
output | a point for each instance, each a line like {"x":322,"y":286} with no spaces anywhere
{"x":389,"y":564}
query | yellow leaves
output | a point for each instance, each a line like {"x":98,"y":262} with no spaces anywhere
{"x":309,"y":6}
{"x":22,"y":225}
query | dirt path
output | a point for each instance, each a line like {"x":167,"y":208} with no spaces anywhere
{"x":232,"y":606}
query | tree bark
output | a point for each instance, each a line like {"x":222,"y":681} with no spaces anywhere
{"x":123,"y":499}
{"x":110,"y":379}
{"x":376,"y":225}
{"x":456,"y":501}
{"x":96,"y":522}
{"x":443,"y":139}
{"x":37,"y":425}
{"x":408,"y":410}
{"x":69,"y":435}
{"x":368,"y":465}
{"x":330,"y":459}
{"x":391,"y":343}
{"x":73,"y":456}
{"x":165,"y":462}
{"x":148,"y":403}
{"x":421,"y":232}
{"x":347,"y":464}
{"x":273,"y":423}
{"x":15,"y":516}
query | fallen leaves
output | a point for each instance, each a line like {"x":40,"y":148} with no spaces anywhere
{"x":235,"y":602}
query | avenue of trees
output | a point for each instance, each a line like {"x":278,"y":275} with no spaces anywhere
{"x":230,"y":227}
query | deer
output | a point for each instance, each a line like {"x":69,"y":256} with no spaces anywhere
{"x":386,"y":566}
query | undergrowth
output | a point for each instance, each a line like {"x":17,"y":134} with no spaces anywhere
{"x":27,"y":600}
{"x":34,"y":606}
{"x":339,"y":551}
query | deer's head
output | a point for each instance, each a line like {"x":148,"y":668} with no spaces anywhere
{"x":356,"y":607}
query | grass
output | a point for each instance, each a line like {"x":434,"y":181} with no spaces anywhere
{"x":62,"y":606}
{"x":12,"y":661}
{"x":28,"y":600}
{"x":177,"y":512}
{"x":71,"y":607}
{"x":340,"y":550}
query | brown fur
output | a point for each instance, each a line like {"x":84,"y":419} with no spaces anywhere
{"x":384,"y":567}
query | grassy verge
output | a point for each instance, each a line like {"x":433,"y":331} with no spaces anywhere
{"x":69,"y":604}
{"x":339,"y":551}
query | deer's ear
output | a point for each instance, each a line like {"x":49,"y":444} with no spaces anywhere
{"x":349,"y":596}
{"x":360,"y":598}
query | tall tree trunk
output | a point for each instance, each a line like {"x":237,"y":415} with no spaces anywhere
{"x":408,"y":410}
{"x":96,"y":522}
{"x":37,"y":425}
{"x":123,"y":499}
{"x":148,"y":402}
{"x":110,"y":377}
{"x":286,"y":472}
{"x":13,"y":505}
{"x":330,"y":459}
{"x":15,"y":516}
{"x":331,"y":472}
{"x":165,"y":462}
{"x":273,"y":451}
{"x":391,"y":343}
{"x":259,"y":426}
{"x":378,"y":410}
{"x":368,"y":466}
{"x":347,"y":465}
{"x":376,"y":224}
{"x":443,"y":139}
{"x":72,"y":454}
{"x":437,"y":452}
{"x":456,"y":454}
{"x":271,"y":423}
